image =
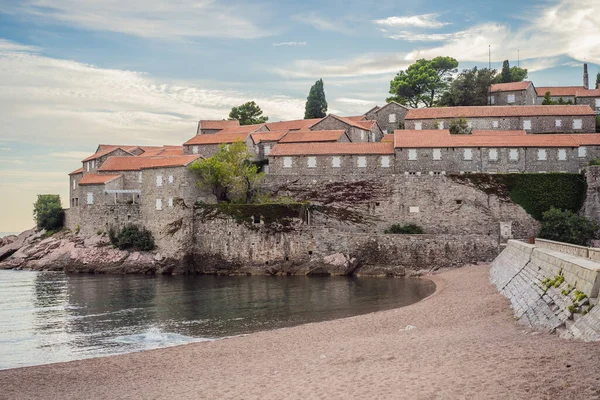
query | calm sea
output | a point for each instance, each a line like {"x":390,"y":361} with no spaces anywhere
{"x":48,"y":317}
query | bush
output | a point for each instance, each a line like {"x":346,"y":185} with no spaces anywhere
{"x":132,"y":237}
{"x":598,"y":123}
{"x":410,"y":229}
{"x":48,"y":212}
{"x":459,"y":127}
{"x":566,"y":226}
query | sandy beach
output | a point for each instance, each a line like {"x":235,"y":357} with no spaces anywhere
{"x":465,"y":344}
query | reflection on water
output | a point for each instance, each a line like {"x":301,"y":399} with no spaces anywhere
{"x":49,"y":317}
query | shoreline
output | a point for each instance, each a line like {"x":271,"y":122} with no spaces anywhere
{"x":465,"y":343}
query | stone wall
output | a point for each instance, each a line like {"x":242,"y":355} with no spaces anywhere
{"x":527,"y":97}
{"x":590,"y":101}
{"x":382,"y":116}
{"x":99,"y":218}
{"x":591,"y":207}
{"x":331,"y":123}
{"x":349,"y":164}
{"x":522,"y":273}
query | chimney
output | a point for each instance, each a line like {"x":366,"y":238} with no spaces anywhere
{"x":586,"y":82}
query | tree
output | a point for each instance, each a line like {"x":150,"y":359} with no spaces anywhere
{"x":470,"y":88}
{"x":423,"y":82}
{"x":459,"y":126}
{"x":598,"y":80}
{"x":518,"y":74}
{"x":510,"y":74}
{"x":316,"y":104}
{"x":566,"y":226}
{"x":248,"y":114}
{"x":549,"y":102}
{"x":229,"y":174}
{"x":505,"y":74}
{"x":48,"y":212}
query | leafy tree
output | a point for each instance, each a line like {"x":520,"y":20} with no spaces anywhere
{"x":230,"y":174}
{"x":470,"y":88}
{"x":132,"y":237}
{"x":566,"y":226}
{"x":459,"y":126}
{"x":549,"y":102}
{"x":510,"y":74}
{"x":248,"y":114}
{"x":316,"y":104}
{"x":423,"y":82}
{"x":518,"y":74}
{"x":48,"y":212}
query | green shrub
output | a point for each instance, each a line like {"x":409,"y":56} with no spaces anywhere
{"x":459,"y":126}
{"x":566,"y":226}
{"x":410,"y":229}
{"x":132,"y":237}
{"x":598,"y":123}
{"x":48,"y":212}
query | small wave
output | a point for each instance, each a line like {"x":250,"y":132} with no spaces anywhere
{"x":154,"y":337}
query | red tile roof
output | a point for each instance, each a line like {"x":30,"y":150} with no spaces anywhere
{"x":557,"y":91}
{"x":509,"y":87}
{"x":96,"y":179}
{"x":497,"y":111}
{"x":217,"y":124}
{"x":269,"y":136}
{"x":356,"y":118}
{"x":355,"y":124}
{"x":588,"y":93}
{"x":77,"y":171}
{"x":294,"y":125}
{"x":388,"y":138}
{"x":312,"y":136}
{"x":102,"y":152}
{"x":338,"y":148}
{"x":586,"y":139}
{"x":240,"y":129}
{"x":368,"y":125}
{"x":443,"y":138}
{"x":216,"y":138}
{"x":498,"y":133}
{"x":139,"y":163}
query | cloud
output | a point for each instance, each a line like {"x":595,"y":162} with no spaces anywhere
{"x":414,"y":21}
{"x":321,"y":23}
{"x":152,"y":18}
{"x":422,"y":37}
{"x":7,"y":45}
{"x":289,"y":44}
{"x":360,"y":102}
{"x":76,"y":155}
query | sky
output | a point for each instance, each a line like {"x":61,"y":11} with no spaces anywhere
{"x":76,"y":73}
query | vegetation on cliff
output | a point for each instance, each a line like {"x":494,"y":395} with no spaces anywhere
{"x":566,"y":226}
{"x":132,"y":237}
{"x":536,"y":193}
{"x":410,"y":229}
{"x":48,"y":212}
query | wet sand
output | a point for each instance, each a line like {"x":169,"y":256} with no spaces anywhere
{"x":465,"y":344}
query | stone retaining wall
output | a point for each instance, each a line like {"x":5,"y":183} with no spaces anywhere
{"x":519,"y":273}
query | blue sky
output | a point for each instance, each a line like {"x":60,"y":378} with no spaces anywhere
{"x":75,"y":73}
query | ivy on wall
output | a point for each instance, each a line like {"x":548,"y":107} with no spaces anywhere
{"x":536,"y":193}
{"x":273,"y":216}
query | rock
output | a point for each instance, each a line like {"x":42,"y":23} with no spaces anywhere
{"x":158,"y":257}
{"x":335,"y":264}
{"x":12,"y":247}
{"x":6,"y":240}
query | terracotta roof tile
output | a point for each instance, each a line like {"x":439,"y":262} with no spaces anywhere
{"x":270,"y":136}
{"x":312,"y":136}
{"x":498,"y":133}
{"x":216,"y":138}
{"x":443,"y":138}
{"x":139,"y":163}
{"x":240,"y":129}
{"x":389,"y":104}
{"x":557,"y":91}
{"x":338,"y":148}
{"x":102,"y":152}
{"x":356,"y":118}
{"x":588,"y":93}
{"x":294,"y":125}
{"x":355,"y":124}
{"x":509,"y":87}
{"x":388,"y":138}
{"x":217,"y":124}
{"x":97,"y":179}
{"x":497,"y":111}
{"x":77,"y":171}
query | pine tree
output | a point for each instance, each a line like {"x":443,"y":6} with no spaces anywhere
{"x":598,"y":81}
{"x":505,"y":74}
{"x":316,"y":104}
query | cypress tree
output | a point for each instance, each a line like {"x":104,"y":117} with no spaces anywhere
{"x":505,"y":74}
{"x":316,"y":104}
{"x":598,"y":80}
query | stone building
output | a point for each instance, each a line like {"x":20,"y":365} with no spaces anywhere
{"x":207,"y":145}
{"x":589,"y":97}
{"x":514,"y":93}
{"x":389,"y":117}
{"x":567,"y":93}
{"x":211,"y":126}
{"x":532,"y":119}
{"x":357,"y":131}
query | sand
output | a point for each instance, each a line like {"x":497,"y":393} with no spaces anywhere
{"x":465,"y":344}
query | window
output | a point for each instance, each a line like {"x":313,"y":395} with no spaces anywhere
{"x":510,"y":98}
{"x":495,"y":124}
{"x":527,"y":124}
{"x":336,"y":162}
{"x":413,"y":209}
{"x":93,"y":164}
{"x":582,"y":151}
{"x":266,"y":169}
{"x":441,"y":125}
{"x":470,"y":124}
{"x":140,"y":177}
{"x":287,"y":162}
{"x":558,"y":123}
{"x":74,"y":183}
{"x":418,"y":126}
{"x":513,"y":171}
{"x":412,"y":154}
{"x":195,"y":149}
{"x":361,"y":162}
{"x":158,"y":180}
{"x":312,"y":162}
{"x":159,"y":204}
{"x":87,"y":166}
{"x":597,"y":103}
{"x":392,"y":118}
{"x":170,"y":202}
{"x":577,"y":124}
{"x":437,"y":154}
{"x":542,"y":156}
{"x":493,"y":154}
{"x":171,"y":180}
{"x":385,"y":161}
{"x":373,"y":137}
{"x":90,"y":198}
{"x":267,"y":149}
{"x":468,"y":154}
{"x":562,"y":154}
{"x":513,"y":154}
{"x":492,"y":100}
